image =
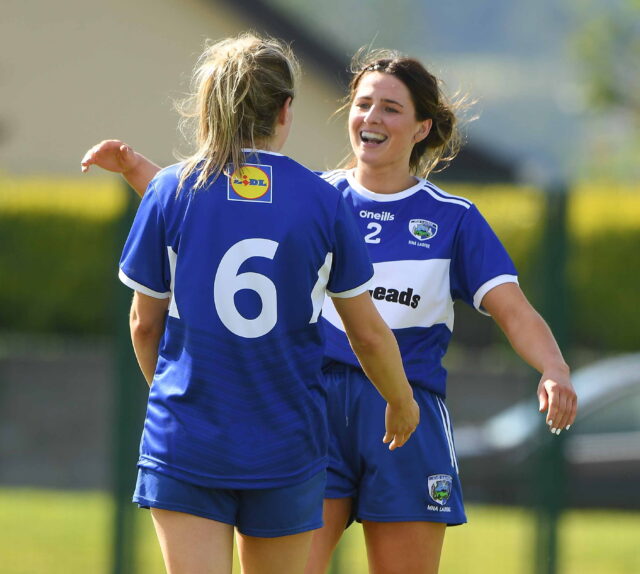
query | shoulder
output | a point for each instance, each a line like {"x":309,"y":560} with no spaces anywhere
{"x":446,"y":200}
{"x":314,"y":180}
{"x":336,"y":177}
{"x":165,"y":182}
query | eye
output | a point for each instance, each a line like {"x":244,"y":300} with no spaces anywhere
{"x":362,"y":105}
{"x":392,"y":110}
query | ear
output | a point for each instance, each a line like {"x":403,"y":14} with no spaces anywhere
{"x":285,"y":113}
{"x":423,"y":131}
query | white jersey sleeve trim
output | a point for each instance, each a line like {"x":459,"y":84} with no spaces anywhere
{"x":141,"y":288}
{"x":485,"y":288}
{"x":352,"y":292}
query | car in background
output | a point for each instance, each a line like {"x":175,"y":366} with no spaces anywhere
{"x":512,"y":457}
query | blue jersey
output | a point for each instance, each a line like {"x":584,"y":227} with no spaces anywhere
{"x":237,"y":399}
{"x":428,"y":249}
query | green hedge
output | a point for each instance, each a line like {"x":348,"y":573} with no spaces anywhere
{"x":61,"y":242}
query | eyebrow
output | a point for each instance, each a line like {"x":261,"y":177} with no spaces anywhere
{"x":386,"y":100}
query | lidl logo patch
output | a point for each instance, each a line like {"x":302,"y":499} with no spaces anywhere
{"x":251,"y":182}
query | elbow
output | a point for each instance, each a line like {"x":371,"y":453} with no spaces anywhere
{"x":144,"y":329}
{"x":368,"y":343}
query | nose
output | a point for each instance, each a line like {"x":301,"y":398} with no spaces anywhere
{"x":372,"y":116}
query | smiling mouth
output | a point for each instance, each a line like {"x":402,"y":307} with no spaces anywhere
{"x":372,"y":137}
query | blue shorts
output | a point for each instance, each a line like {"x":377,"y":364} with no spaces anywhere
{"x":265,"y":513}
{"x":417,"y":482}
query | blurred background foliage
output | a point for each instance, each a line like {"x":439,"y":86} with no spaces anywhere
{"x":64,"y":236}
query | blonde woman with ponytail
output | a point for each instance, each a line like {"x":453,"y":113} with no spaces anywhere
{"x":428,"y":249}
{"x":230,"y":256}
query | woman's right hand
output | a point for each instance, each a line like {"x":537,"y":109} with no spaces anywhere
{"x":112,"y":155}
{"x":400,"y":421}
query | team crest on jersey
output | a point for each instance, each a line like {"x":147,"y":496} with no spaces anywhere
{"x":422,"y":229}
{"x":440,"y":488}
{"x":251,"y":182}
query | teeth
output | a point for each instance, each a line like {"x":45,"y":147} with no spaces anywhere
{"x":372,"y":136}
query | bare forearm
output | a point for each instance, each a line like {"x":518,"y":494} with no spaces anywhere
{"x":145,"y":346}
{"x":380,"y":359}
{"x":140,"y":176}
{"x":532,"y":339}
{"x":146,"y":322}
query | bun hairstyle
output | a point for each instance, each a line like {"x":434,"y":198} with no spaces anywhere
{"x":444,"y":140}
{"x":239,"y":86}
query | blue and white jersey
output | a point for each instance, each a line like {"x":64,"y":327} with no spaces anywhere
{"x":428,"y":249}
{"x":237,"y":399}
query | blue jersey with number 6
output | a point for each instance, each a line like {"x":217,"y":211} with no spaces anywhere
{"x":237,"y":399}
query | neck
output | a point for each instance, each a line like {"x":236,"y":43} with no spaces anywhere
{"x":385,"y":180}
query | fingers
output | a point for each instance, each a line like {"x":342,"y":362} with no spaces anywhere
{"x":396,"y":440}
{"x":88,"y":159}
{"x":561,"y":404}
{"x":112,"y":155}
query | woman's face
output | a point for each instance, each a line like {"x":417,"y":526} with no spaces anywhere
{"x":382,"y":122}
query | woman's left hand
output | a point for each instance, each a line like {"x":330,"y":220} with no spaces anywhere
{"x":558,"y":398}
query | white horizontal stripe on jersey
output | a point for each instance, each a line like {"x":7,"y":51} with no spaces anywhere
{"x":141,"y":288}
{"x":486,"y":287}
{"x":426,"y":279}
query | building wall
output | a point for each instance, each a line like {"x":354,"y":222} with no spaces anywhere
{"x":75,"y":72}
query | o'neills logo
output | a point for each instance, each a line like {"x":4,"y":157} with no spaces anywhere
{"x":406,"y":297}
{"x":251,"y":182}
{"x":384,"y":216}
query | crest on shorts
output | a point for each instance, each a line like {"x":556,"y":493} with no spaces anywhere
{"x":440,"y":488}
{"x":422,"y":229}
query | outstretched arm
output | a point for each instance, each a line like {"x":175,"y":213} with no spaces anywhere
{"x":116,"y":156}
{"x":377,"y":350}
{"x":532,"y":339}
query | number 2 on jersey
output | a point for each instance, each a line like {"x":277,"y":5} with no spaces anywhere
{"x":373,"y":236}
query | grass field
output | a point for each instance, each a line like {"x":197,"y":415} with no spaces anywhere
{"x":57,"y":532}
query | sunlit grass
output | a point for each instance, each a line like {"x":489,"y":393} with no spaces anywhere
{"x":58,"y":532}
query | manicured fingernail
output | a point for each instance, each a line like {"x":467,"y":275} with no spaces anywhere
{"x":567,"y":427}
{"x":549,"y":423}
{"x":558,"y":432}
{"x":553,"y":431}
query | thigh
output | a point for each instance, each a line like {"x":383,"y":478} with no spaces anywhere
{"x":192,"y":544}
{"x":274,"y":555}
{"x":336,"y":516}
{"x":403,"y":547}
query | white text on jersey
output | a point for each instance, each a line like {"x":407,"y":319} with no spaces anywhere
{"x":384,"y":216}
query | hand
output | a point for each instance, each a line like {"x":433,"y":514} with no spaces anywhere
{"x":557,"y":396}
{"x":400,"y":422}
{"x":112,"y":155}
